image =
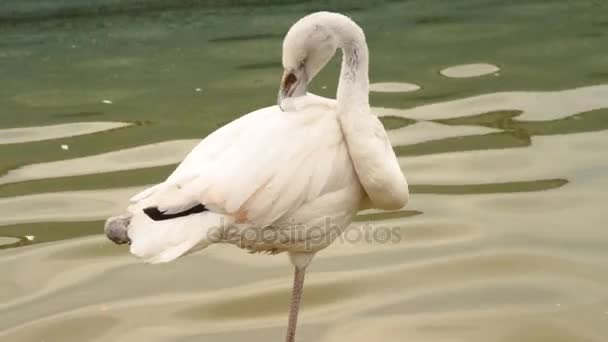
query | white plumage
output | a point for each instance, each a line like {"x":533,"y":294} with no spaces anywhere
{"x":269,"y":167}
{"x":299,"y":170}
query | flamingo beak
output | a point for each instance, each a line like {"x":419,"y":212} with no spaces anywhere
{"x":293,"y":84}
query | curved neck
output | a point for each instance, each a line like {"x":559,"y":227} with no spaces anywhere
{"x":353,"y":87}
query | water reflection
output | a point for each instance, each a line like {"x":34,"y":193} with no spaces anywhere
{"x":73,"y":97}
{"x":28,"y":134}
{"x":9,"y":241}
{"x":64,"y":206}
{"x":164,"y":153}
{"x":470,"y":70}
{"x":393,"y":87}
{"x":428,"y":131}
{"x":535,"y":105}
{"x":572,"y":153}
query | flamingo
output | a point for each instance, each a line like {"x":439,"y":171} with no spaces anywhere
{"x":299,"y":170}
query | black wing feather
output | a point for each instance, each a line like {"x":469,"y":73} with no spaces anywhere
{"x":157,"y":215}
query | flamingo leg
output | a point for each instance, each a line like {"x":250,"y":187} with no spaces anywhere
{"x":294,"y":304}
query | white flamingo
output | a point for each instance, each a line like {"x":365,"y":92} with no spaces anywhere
{"x":299,"y":170}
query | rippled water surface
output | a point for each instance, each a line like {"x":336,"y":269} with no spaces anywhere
{"x":498,"y":112}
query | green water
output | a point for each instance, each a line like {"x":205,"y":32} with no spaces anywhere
{"x":504,"y":239}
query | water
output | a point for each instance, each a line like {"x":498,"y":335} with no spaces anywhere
{"x":505,"y":237}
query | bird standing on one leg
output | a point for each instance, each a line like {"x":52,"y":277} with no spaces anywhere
{"x":302,"y":168}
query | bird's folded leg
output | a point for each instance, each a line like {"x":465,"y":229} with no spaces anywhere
{"x":117,"y":227}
